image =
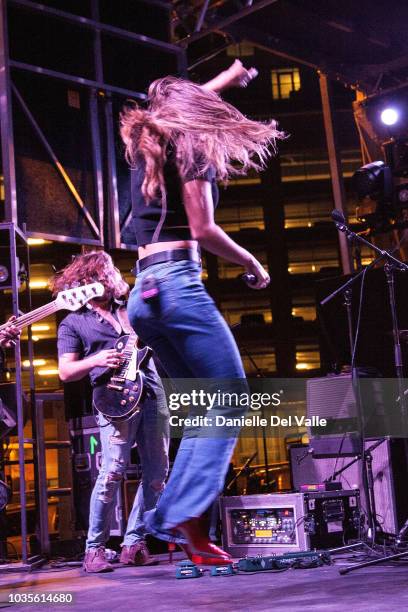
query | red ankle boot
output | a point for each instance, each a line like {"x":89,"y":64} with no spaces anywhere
{"x":199,"y":560}
{"x":200,"y":549}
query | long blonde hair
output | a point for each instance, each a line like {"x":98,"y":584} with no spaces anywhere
{"x":202,"y":129}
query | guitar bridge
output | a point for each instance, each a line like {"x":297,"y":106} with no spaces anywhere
{"x":114,"y":387}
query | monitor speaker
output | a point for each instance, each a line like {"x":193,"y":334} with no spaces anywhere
{"x":333,"y":398}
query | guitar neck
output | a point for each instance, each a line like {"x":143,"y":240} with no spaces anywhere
{"x":33,"y":316}
{"x":130,"y":345}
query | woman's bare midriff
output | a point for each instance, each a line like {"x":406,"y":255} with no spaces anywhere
{"x":158,"y":247}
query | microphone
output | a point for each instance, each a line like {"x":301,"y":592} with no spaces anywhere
{"x":249,"y":279}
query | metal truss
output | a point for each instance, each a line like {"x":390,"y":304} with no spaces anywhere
{"x":205,"y":12}
{"x":201,"y":18}
{"x":99,"y":93}
{"x":100,"y":103}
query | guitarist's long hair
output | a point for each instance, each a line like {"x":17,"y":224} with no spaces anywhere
{"x":95,"y":266}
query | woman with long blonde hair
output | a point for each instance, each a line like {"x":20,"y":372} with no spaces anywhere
{"x":186,"y":140}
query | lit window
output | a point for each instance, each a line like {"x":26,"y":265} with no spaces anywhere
{"x":242,"y":49}
{"x":307,"y":357}
{"x":284,"y":81}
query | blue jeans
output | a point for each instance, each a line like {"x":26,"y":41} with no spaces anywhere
{"x":192,"y":340}
{"x":149,"y":430}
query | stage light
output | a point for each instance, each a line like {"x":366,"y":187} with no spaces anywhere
{"x":37,"y":241}
{"x":302,"y":366}
{"x":369,"y":180}
{"x":48,"y":372}
{"x":36,"y":362}
{"x":38,"y":284}
{"x":403,"y":195}
{"x":389,"y":116}
{"x":4,"y":274}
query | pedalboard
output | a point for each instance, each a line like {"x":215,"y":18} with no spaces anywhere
{"x":279,"y":562}
{"x":289,"y":522}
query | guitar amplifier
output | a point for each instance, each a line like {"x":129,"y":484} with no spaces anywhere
{"x":8,"y":409}
{"x":390,"y":475}
{"x":289,"y":522}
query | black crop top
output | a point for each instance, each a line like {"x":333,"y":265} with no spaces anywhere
{"x":146,"y":217}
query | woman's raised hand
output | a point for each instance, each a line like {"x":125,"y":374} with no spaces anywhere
{"x":240,"y":76}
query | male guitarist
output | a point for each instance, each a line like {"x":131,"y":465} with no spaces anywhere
{"x":85,"y":347}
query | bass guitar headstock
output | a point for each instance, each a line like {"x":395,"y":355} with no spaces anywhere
{"x":73,"y":299}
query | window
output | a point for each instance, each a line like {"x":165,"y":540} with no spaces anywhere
{"x":307,"y":259}
{"x":284,"y":81}
{"x":247,"y":309}
{"x":243,"y":216}
{"x":307,"y":357}
{"x":314,"y":165}
{"x":264,"y":358}
{"x":242,"y":49}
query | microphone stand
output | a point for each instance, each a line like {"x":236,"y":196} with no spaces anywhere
{"x":391,"y":265}
{"x":241,"y":470}
{"x":264,"y":442}
{"x":260,"y":374}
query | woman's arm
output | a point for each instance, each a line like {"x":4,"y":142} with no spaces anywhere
{"x":235,"y":76}
{"x":199,"y":207}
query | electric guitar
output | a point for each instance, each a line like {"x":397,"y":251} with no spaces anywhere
{"x":118,"y":391}
{"x":69,"y":299}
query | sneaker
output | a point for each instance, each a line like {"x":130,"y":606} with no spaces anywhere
{"x":137,"y":554}
{"x":95,"y":561}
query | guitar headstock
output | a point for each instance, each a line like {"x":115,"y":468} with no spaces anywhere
{"x":73,"y":299}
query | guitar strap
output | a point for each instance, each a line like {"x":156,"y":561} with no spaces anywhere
{"x":124,"y":320}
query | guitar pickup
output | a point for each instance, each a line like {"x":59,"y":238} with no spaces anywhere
{"x":114,"y":387}
{"x":117,"y":379}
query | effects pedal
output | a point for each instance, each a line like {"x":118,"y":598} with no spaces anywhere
{"x":188,"y":569}
{"x":278,"y":562}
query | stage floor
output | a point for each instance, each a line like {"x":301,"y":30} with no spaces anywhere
{"x":155,"y":588}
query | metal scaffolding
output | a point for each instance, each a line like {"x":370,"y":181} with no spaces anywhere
{"x":103,"y":223}
{"x":99,"y":92}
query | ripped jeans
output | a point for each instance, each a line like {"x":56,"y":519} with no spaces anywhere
{"x":149,"y":430}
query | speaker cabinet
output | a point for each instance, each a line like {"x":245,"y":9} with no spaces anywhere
{"x":87,"y":457}
{"x":390,"y":474}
